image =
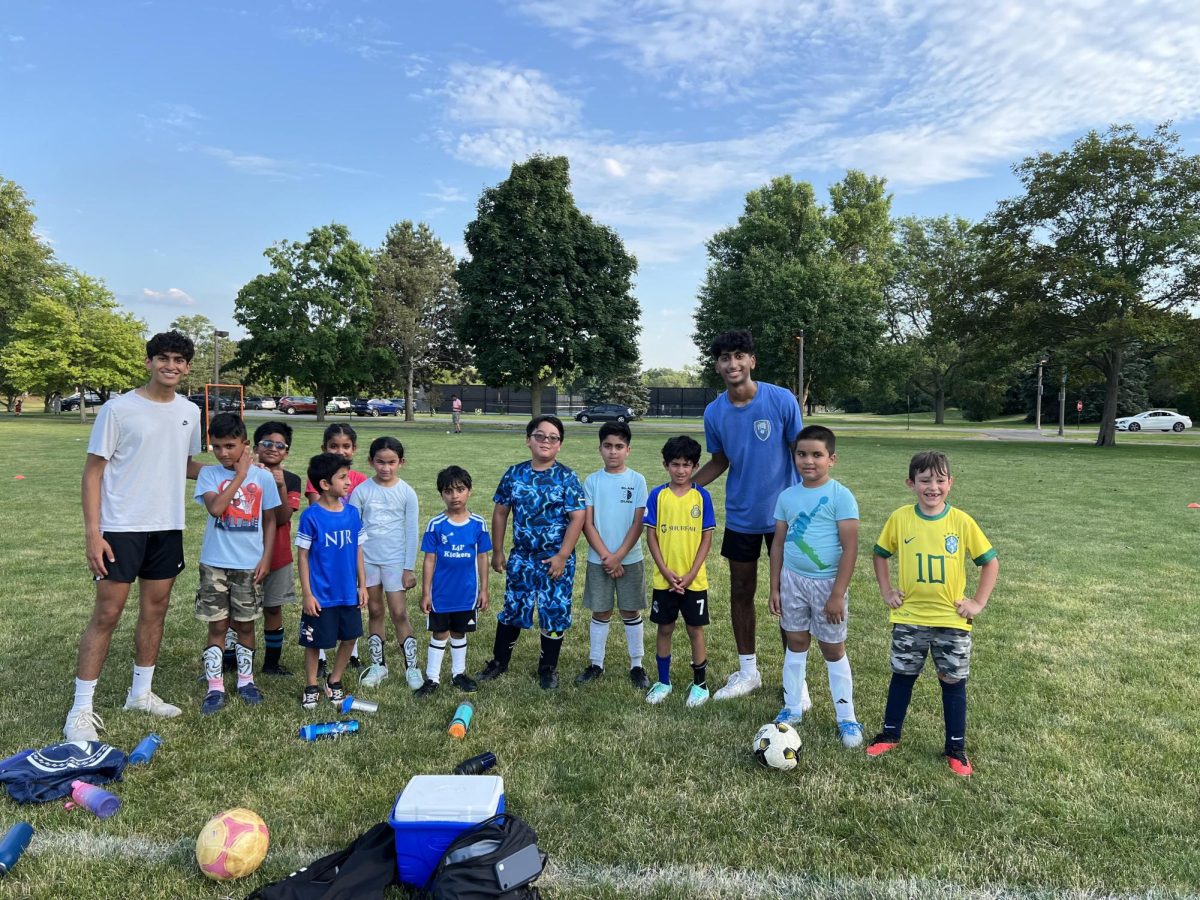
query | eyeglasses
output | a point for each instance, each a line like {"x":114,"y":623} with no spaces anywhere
{"x":273,"y":445}
{"x":546,"y":438}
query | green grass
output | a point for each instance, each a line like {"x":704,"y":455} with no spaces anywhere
{"x":1084,"y":690}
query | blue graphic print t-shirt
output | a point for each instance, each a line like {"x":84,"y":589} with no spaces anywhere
{"x":541,"y":505}
{"x":813,"y":547}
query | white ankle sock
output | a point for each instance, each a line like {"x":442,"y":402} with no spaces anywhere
{"x":748,"y":664}
{"x":85,"y":691}
{"x":143,"y":678}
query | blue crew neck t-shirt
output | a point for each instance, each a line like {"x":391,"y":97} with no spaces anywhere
{"x":813,"y":546}
{"x":332,"y":540}
{"x":614,"y":497}
{"x":541,"y":503}
{"x":457,"y":546}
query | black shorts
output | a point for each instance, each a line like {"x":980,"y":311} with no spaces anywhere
{"x":460,"y":622}
{"x":665,"y":607}
{"x":153,"y":555}
{"x":333,"y":624}
{"x":737,"y":546}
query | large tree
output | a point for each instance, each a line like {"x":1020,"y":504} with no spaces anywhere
{"x":547,"y":291}
{"x":791,"y":265}
{"x":1101,"y":254}
{"x":308,"y":317}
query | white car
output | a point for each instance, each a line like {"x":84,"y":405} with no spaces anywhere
{"x":339,"y":405}
{"x":1154,"y":420}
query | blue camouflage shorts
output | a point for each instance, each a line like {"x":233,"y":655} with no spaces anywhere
{"x":528,"y":585}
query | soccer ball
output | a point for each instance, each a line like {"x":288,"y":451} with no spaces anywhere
{"x":232,"y":844}
{"x":777,"y":746}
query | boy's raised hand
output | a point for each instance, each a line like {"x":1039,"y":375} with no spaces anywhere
{"x":243,"y":461}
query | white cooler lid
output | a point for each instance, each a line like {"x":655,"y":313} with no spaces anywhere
{"x":449,"y":798}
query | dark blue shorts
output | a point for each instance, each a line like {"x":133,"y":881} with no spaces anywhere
{"x":528,"y":586}
{"x":333,"y":624}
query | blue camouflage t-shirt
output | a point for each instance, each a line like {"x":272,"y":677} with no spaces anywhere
{"x":541,"y":504}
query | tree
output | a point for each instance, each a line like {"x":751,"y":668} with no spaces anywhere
{"x":791,"y":265}
{"x":308,"y":318}
{"x":546,"y":289}
{"x":1101,"y":255}
{"x":416,"y":308}
{"x":688,"y":376}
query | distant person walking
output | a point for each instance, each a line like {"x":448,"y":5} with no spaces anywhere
{"x":56,"y":403}
{"x":456,"y":413}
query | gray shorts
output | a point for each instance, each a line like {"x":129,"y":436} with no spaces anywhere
{"x":279,"y":587}
{"x":951,"y":648}
{"x":227,"y":594}
{"x":630,"y":589}
{"x":802,"y":601}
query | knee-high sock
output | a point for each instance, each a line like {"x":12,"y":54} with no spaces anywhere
{"x":597,"y":639}
{"x":458,"y":656}
{"x":375,"y":648}
{"x":410,"y":651}
{"x":551,"y":647}
{"x":506,"y":639}
{"x":841,"y":688}
{"x":212,"y":668}
{"x":635,"y":639}
{"x":274,"y":644}
{"x":245,"y":664}
{"x":899,"y":694}
{"x":433,"y":662}
{"x":954,"y":710}
{"x":795,"y":670}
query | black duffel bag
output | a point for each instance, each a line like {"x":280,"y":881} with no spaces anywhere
{"x":498,"y":859}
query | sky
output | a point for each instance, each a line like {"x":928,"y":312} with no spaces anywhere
{"x":166,"y":144}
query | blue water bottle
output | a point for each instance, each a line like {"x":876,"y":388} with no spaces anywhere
{"x":13,"y":844}
{"x":328,"y":729}
{"x":144,"y":750}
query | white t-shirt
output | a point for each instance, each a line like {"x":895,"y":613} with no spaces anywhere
{"x":147,"y":445}
{"x":390,"y":521}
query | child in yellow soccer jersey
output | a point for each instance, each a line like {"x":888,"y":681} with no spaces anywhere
{"x":931,"y":542}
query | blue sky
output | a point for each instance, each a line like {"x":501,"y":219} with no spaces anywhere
{"x":167,"y":144}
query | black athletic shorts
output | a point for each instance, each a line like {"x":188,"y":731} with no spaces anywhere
{"x":738,"y":546}
{"x":153,"y":555}
{"x":460,"y":622}
{"x":666,"y":606}
{"x":333,"y":624}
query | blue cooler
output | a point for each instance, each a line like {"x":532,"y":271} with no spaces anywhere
{"x":432,"y":811}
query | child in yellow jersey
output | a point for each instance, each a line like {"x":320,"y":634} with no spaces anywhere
{"x":679,"y":528}
{"x":931,"y":542}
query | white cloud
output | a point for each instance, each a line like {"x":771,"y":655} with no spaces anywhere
{"x":173,"y":116}
{"x":447,"y":193}
{"x":614,"y":168}
{"x":495,"y":96}
{"x":275,"y":167}
{"x":170,"y":295}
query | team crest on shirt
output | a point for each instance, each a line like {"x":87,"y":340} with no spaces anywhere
{"x":696,"y":511}
{"x":952,"y":544}
{"x":762,"y":429}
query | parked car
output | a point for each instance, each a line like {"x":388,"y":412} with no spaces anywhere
{"x":260,"y":403}
{"x":338,"y":405}
{"x":91,"y":398}
{"x":375,"y":408}
{"x":224,"y":403}
{"x":1154,"y":420}
{"x":293,"y":405}
{"x":606,"y":412}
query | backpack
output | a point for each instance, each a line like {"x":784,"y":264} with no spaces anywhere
{"x":494,"y":860}
{"x":363,"y":869}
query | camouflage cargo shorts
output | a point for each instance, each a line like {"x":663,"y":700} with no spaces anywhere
{"x":227,"y":593}
{"x":951,"y":649}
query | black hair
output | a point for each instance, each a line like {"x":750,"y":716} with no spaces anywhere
{"x":226,"y":424}
{"x":452,"y":475}
{"x":553,"y":420}
{"x":170,"y":342}
{"x":274,"y":428}
{"x":323,"y":467}
{"x":738,"y":340}
{"x":339,"y":428}
{"x":682,"y":447}
{"x":928,"y":461}
{"x":616,"y":429}
{"x":385,"y":443}
{"x":818,"y":433}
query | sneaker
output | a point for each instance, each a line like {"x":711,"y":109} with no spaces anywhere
{"x":308,"y":700}
{"x":959,"y":764}
{"x":373,"y":675}
{"x":426,"y":689}
{"x":152,"y":703}
{"x":791,"y":717}
{"x":213,"y":702}
{"x":335,"y":692}
{"x":658,"y":693}
{"x":639,"y":678}
{"x":805,"y":699}
{"x":547,"y":679}
{"x":492,"y":671}
{"x":250,"y":694}
{"x":464,"y":683}
{"x":591,"y":673}
{"x":414,"y":677}
{"x":83,"y":726}
{"x":697,"y":696}
{"x":355,"y":663}
{"x":851,"y":734}
{"x":738,"y":685}
{"x":882,"y":743}
{"x":322,"y":669}
{"x":275,"y":670}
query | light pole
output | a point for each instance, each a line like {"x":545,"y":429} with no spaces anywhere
{"x":800,"y":369}
{"x":1037,"y":418}
{"x":1062,"y":403}
{"x":217,"y":335}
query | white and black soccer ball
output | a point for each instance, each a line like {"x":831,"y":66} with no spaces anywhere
{"x":777,"y":746}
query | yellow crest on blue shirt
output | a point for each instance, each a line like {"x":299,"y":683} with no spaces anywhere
{"x":952,"y":544}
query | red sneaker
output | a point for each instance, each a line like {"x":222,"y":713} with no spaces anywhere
{"x":959,"y":764}
{"x":882,"y":743}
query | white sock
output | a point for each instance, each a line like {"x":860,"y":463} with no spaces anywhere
{"x":143,"y":676}
{"x":354,"y":649}
{"x":458,"y":657}
{"x":84,"y":692}
{"x":841,"y":686}
{"x":748,"y":664}
{"x":795,"y":667}
{"x":597,"y":639}
{"x":635,"y":638}
{"x":321,"y":655}
{"x":375,"y":648}
{"x":433,"y":663}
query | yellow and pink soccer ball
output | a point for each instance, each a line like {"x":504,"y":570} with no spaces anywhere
{"x":232,"y":845}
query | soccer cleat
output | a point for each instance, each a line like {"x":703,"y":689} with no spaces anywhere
{"x":334,"y":691}
{"x":213,"y":702}
{"x":427,"y":688}
{"x":492,"y":671}
{"x":959,"y":764}
{"x":658,"y":693}
{"x":373,"y":675}
{"x":275,"y":670}
{"x":791,"y":717}
{"x":639,"y":678}
{"x":414,"y":677}
{"x":591,"y":673}
{"x":547,"y":679}
{"x":464,"y":683}
{"x":738,"y":685}
{"x":882,"y":743}
{"x":805,"y":699}
{"x":151,"y":703}
{"x":308,"y":700}
{"x":83,"y":726}
{"x":851,"y":734}
{"x":354,"y":663}
{"x":697,"y":696}
{"x":250,"y":694}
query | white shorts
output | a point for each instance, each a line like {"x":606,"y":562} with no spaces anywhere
{"x":391,"y":577}
{"x":802,"y":601}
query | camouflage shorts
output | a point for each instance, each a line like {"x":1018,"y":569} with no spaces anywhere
{"x":951,"y":648}
{"x":227,"y":593}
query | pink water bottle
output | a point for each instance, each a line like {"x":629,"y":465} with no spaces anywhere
{"x":96,"y":799}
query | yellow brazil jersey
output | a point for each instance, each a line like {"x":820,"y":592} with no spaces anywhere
{"x":679,"y":523}
{"x":931,"y":555}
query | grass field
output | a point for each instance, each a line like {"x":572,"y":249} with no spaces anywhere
{"x":1083,"y":713}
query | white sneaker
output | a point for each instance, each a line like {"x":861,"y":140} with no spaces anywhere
{"x":373,"y":675}
{"x":739,"y":685}
{"x":83,"y":726}
{"x":414,"y":677}
{"x":151,"y":703}
{"x":805,"y":699}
